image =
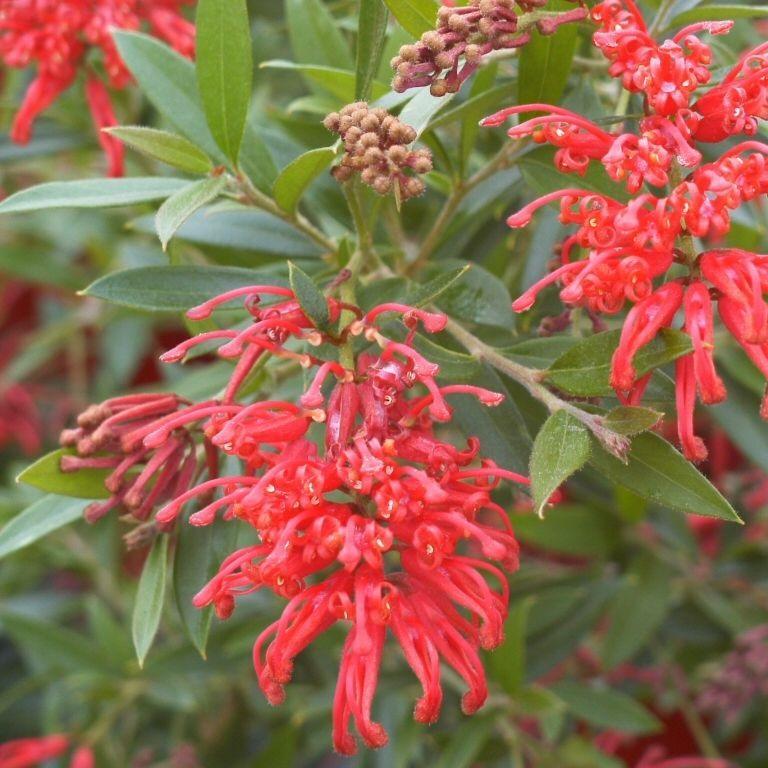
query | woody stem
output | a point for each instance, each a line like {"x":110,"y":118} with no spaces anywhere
{"x":531,"y":379}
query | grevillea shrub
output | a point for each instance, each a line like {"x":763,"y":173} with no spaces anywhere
{"x":395,"y":395}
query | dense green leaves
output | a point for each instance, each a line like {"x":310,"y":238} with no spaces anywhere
{"x":91,"y":193}
{"x":174,"y":289}
{"x":296,"y":177}
{"x":44,"y":516}
{"x":561,"y":448}
{"x":656,"y":471}
{"x":182,"y":204}
{"x":46,"y":475}
{"x":224,"y":69}
{"x":149,"y":598}
{"x":167,"y":147}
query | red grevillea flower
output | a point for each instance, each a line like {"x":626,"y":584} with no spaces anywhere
{"x":373,"y":520}
{"x":621,"y":252}
{"x":27,"y":753}
{"x":58,"y":35}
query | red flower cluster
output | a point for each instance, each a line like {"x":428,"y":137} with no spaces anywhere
{"x":364,"y":514}
{"x":28,"y":753}
{"x":57,"y":36}
{"x":628,"y":246}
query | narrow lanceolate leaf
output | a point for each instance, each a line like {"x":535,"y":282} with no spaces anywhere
{"x":545,"y":62}
{"x":422,"y":295}
{"x":585,"y":369}
{"x":92,"y":193}
{"x":508,"y":661}
{"x":561,"y":448}
{"x":296,"y":177}
{"x":719,"y":12}
{"x":175,"y":288}
{"x":414,"y":16}
{"x":169,"y":148}
{"x":168,"y":81}
{"x":638,"y":609}
{"x":44,"y":516}
{"x":315,"y":35}
{"x":371,"y":36}
{"x":656,"y":471}
{"x":309,"y":296}
{"x":224,"y":69}
{"x":46,"y":475}
{"x":631,"y":420}
{"x":149,"y":598}
{"x":193,"y":565}
{"x":181,"y":205}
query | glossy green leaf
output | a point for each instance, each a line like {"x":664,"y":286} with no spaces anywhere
{"x":182,"y":204}
{"x":421,"y":108}
{"x":630,"y":420}
{"x":338,"y":82}
{"x":41,"y":518}
{"x":309,"y":296}
{"x":150,"y":596}
{"x":315,"y":35}
{"x":606,"y":708}
{"x":169,"y":148}
{"x":561,"y":448}
{"x":168,"y":81}
{"x":175,"y":288}
{"x":46,"y":475}
{"x":414,"y":16}
{"x":224,"y":69}
{"x":638,"y":610}
{"x":656,"y":471}
{"x":371,"y":37}
{"x":295,"y":178}
{"x":585,"y":369}
{"x":92,"y":193}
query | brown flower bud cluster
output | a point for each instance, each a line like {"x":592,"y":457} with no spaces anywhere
{"x":376,"y":145}
{"x":445,"y":57}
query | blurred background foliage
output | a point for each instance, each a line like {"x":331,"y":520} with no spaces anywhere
{"x":624,"y":612}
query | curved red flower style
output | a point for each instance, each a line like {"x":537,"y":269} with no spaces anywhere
{"x":57,"y":36}
{"x":621,"y":252}
{"x":365,"y":515}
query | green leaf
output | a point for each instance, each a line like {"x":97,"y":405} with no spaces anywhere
{"x":465,"y":743}
{"x":432,"y":290}
{"x":174,"y":288}
{"x":561,"y":448}
{"x":638,"y":610}
{"x":182,"y":204}
{"x":296,"y":177}
{"x":656,"y":471}
{"x":46,"y":475}
{"x":421,"y":108}
{"x":454,"y":366}
{"x":585,"y":369}
{"x":507,"y":662}
{"x":545,"y":62}
{"x":414,"y":16}
{"x":605,"y":708}
{"x":91,"y":193}
{"x":224,"y":69}
{"x":169,"y":148}
{"x":371,"y":37}
{"x":149,"y":598}
{"x":718,"y":12}
{"x":41,"y":518}
{"x":194,"y":564}
{"x":338,"y":82}
{"x":630,"y":420}
{"x":309,"y":296}
{"x":255,"y":159}
{"x":168,"y":81}
{"x":315,"y":35}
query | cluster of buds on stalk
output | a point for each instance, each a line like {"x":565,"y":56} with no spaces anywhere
{"x":365,"y":515}
{"x":446,"y":56}
{"x":58,"y":36}
{"x":31,"y":752}
{"x":621,"y":251}
{"x":377,"y":147}
{"x":740,"y":680}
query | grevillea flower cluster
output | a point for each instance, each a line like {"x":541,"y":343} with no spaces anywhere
{"x":58,"y":36}
{"x":28,"y":753}
{"x":621,"y":251}
{"x":445,"y":57}
{"x":365,"y":515}
{"x":376,"y":146}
